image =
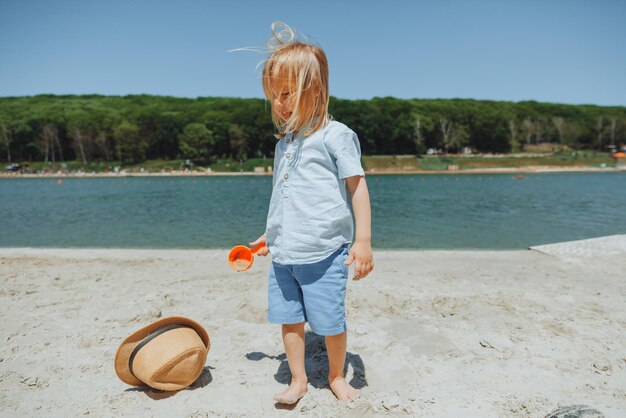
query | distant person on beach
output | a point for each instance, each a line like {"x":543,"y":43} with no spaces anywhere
{"x":317,"y":172}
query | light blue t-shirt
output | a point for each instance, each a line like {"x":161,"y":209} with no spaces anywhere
{"x":309,"y":215}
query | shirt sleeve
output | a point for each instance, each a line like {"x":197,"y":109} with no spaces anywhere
{"x":346,"y":152}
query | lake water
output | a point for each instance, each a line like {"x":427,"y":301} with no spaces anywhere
{"x":495,"y":211}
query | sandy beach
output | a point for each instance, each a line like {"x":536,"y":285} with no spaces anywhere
{"x":431,"y":333}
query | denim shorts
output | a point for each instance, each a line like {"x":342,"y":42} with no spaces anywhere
{"x":313,"y":293}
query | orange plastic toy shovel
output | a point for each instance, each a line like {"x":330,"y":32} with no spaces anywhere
{"x":241,"y":257}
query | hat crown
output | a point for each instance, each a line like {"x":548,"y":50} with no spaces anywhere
{"x":171,"y":360}
{"x":182,"y":373}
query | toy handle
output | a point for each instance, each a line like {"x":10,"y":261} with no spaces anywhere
{"x":257,"y":247}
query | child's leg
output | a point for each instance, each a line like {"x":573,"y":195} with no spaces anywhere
{"x":336,"y":348}
{"x":323,"y":287}
{"x":293,"y":338}
{"x":285,"y":305}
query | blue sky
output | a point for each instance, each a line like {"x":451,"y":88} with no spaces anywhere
{"x":563,"y":51}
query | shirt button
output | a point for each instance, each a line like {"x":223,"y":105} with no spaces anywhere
{"x":288,"y":155}
{"x":286,"y":176}
{"x":287,"y":140}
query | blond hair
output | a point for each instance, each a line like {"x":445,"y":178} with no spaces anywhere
{"x":302,"y":67}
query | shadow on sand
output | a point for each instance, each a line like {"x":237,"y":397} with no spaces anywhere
{"x":315,"y":365}
{"x":204,"y":379}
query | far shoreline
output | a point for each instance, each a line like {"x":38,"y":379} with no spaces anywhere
{"x":499,"y":170}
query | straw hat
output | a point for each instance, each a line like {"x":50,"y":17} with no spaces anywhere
{"x":168,"y":354}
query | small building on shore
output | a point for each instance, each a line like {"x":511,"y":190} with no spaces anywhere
{"x":620,"y":160}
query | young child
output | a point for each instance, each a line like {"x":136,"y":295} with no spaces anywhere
{"x":317,"y":170}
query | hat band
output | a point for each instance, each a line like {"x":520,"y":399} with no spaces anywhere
{"x":148,"y":339}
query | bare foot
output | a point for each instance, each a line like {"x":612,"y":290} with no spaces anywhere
{"x":293,"y":393}
{"x":342,"y":390}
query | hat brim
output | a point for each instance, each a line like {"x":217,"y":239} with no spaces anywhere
{"x":128,"y":345}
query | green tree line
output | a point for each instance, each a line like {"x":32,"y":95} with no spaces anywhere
{"x":135,"y":128}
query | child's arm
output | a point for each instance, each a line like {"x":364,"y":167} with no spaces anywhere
{"x":361,"y":251}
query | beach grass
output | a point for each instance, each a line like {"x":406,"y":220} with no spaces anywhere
{"x":585,"y":158}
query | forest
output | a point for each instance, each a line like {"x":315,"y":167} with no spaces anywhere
{"x":135,"y":128}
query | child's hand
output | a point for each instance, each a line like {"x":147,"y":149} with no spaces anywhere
{"x":361,"y":252}
{"x":263,"y":251}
